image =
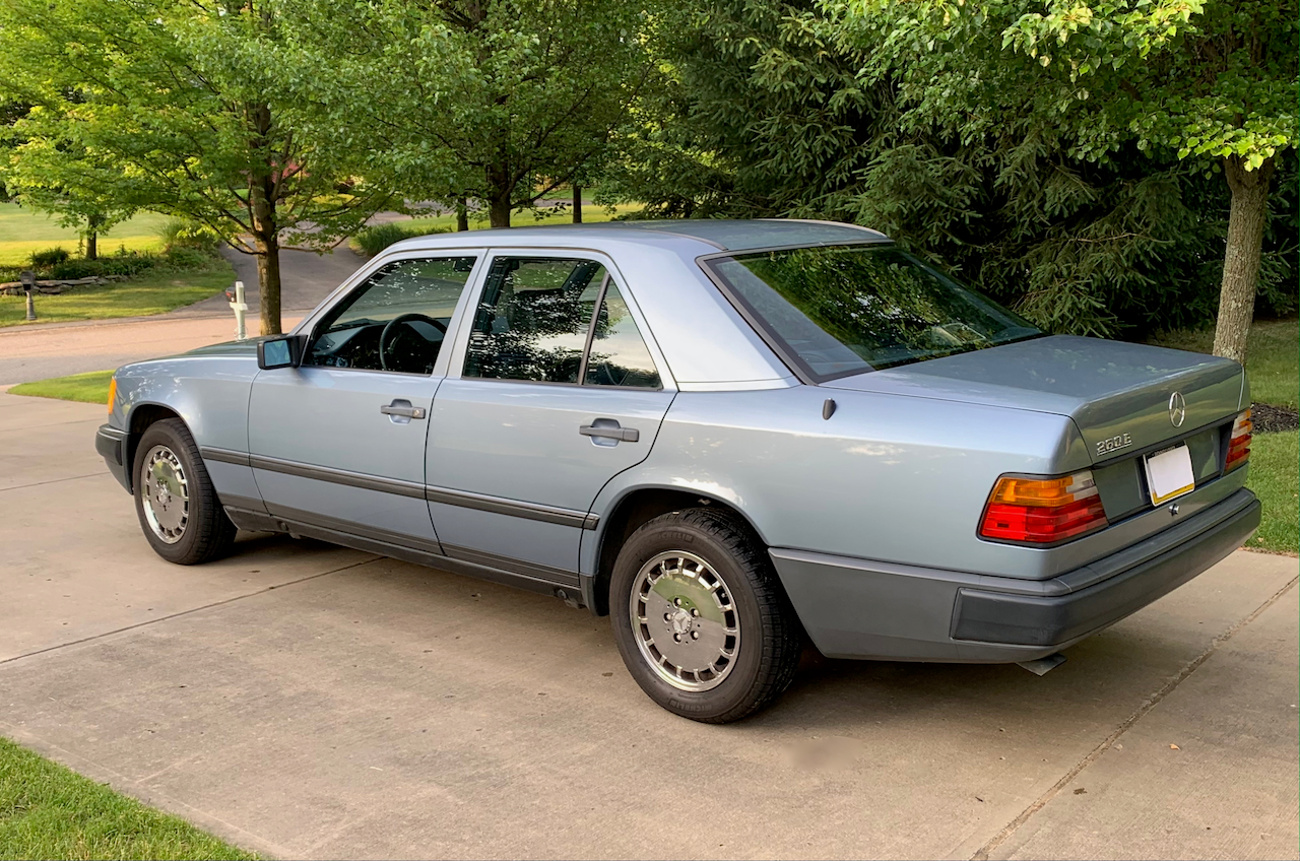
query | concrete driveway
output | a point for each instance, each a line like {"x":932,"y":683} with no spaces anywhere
{"x":309,"y":701}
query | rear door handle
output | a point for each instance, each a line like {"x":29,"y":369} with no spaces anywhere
{"x":610,"y":429}
{"x":403,"y":409}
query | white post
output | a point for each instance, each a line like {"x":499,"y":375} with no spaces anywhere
{"x":240,"y":307}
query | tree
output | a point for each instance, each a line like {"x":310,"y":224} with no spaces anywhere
{"x":1211,"y":80}
{"x":175,"y":107}
{"x":497,"y":100}
{"x":766,"y":112}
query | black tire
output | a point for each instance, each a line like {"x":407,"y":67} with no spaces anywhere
{"x":768,"y":637}
{"x":197,"y":529}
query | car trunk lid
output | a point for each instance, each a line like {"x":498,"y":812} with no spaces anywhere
{"x":1125,"y":398}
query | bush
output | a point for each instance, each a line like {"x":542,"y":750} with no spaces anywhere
{"x":70,"y":270}
{"x":49,"y":257}
{"x":374,"y":239}
{"x":179,"y":233}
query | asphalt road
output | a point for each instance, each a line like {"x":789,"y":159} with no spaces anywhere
{"x":309,"y":701}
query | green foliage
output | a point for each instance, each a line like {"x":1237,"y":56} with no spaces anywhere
{"x":49,"y":257}
{"x":178,"y":108}
{"x":496,"y":100}
{"x":179,"y":233}
{"x":374,"y":239}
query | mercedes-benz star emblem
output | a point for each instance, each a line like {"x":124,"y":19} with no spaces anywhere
{"x":1177,"y":409}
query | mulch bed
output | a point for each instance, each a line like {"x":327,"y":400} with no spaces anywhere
{"x":1270,"y":419}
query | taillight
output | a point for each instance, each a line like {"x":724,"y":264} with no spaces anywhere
{"x":1239,"y":445}
{"x":1043,"y":510}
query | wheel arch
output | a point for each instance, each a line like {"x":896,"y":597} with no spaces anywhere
{"x":138,"y":421}
{"x":634,"y":507}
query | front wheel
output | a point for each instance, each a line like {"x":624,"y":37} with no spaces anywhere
{"x":178,"y":508}
{"x":700,"y":619}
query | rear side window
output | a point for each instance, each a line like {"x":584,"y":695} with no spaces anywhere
{"x":839,"y":310}
{"x":533,"y":319}
{"x":618,"y":354}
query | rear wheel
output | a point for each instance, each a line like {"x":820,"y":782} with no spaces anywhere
{"x":700,"y":619}
{"x":178,"y":509}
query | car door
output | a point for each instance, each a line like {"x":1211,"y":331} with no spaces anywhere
{"x":339,"y":442}
{"x":557,"y":391}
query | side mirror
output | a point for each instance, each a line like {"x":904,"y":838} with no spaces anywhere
{"x":285,"y":352}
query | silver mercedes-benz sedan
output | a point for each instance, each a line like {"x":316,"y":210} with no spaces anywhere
{"x":732,"y":437}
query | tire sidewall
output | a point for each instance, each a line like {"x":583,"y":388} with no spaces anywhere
{"x":177,"y":439}
{"x":736,"y":689}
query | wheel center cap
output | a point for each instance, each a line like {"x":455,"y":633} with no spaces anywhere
{"x":681,"y":621}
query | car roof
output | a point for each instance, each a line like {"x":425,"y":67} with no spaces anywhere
{"x":716,"y":235}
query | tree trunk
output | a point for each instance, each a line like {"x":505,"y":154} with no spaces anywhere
{"x":92,"y":245}
{"x":1241,"y":258}
{"x":462,"y":215}
{"x":268,"y":281}
{"x":499,"y":211}
{"x":266,"y":239}
{"x":577,"y":204}
{"x":500,"y":190}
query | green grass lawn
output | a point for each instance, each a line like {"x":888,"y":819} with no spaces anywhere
{"x":91,"y":388}
{"x":47,"y":811}
{"x":153,"y":292}
{"x":1275,"y":478}
{"x":24,"y":230}
{"x":1272,"y":358}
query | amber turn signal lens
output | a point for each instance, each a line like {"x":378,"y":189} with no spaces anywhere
{"x":112,"y":393}
{"x":1239,"y":445}
{"x":1043,"y":510}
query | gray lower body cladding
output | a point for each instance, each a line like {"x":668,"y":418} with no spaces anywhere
{"x":855,"y":608}
{"x":110,"y":442}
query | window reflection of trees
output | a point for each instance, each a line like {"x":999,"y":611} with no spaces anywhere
{"x":878,"y":303}
{"x":533,"y":320}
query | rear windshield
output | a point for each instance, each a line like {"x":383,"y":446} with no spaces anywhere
{"x":840,"y":310}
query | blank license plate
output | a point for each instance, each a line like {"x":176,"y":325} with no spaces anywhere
{"x":1169,"y":473}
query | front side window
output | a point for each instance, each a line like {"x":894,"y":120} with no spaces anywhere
{"x":396,"y":320}
{"x":840,"y":310}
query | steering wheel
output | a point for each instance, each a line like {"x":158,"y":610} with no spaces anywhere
{"x":390,"y":331}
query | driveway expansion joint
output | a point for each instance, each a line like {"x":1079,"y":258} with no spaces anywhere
{"x":208,"y":606}
{"x":1109,"y":742}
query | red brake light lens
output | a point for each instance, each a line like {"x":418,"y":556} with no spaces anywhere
{"x":1239,"y":445}
{"x":1043,"y":510}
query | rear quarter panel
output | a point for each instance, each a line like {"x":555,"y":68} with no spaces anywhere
{"x":888,"y":477}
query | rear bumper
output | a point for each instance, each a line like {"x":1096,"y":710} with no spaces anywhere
{"x":854,"y":608}
{"x":110,"y":442}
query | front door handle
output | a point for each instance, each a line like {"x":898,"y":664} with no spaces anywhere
{"x":610,"y":429}
{"x":404,"y":409}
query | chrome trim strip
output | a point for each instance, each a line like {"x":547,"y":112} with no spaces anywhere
{"x":544,"y":573}
{"x":224,"y":455}
{"x":512,"y":507}
{"x":413,"y":489}
{"x":112,"y":432}
{"x":417,"y":490}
